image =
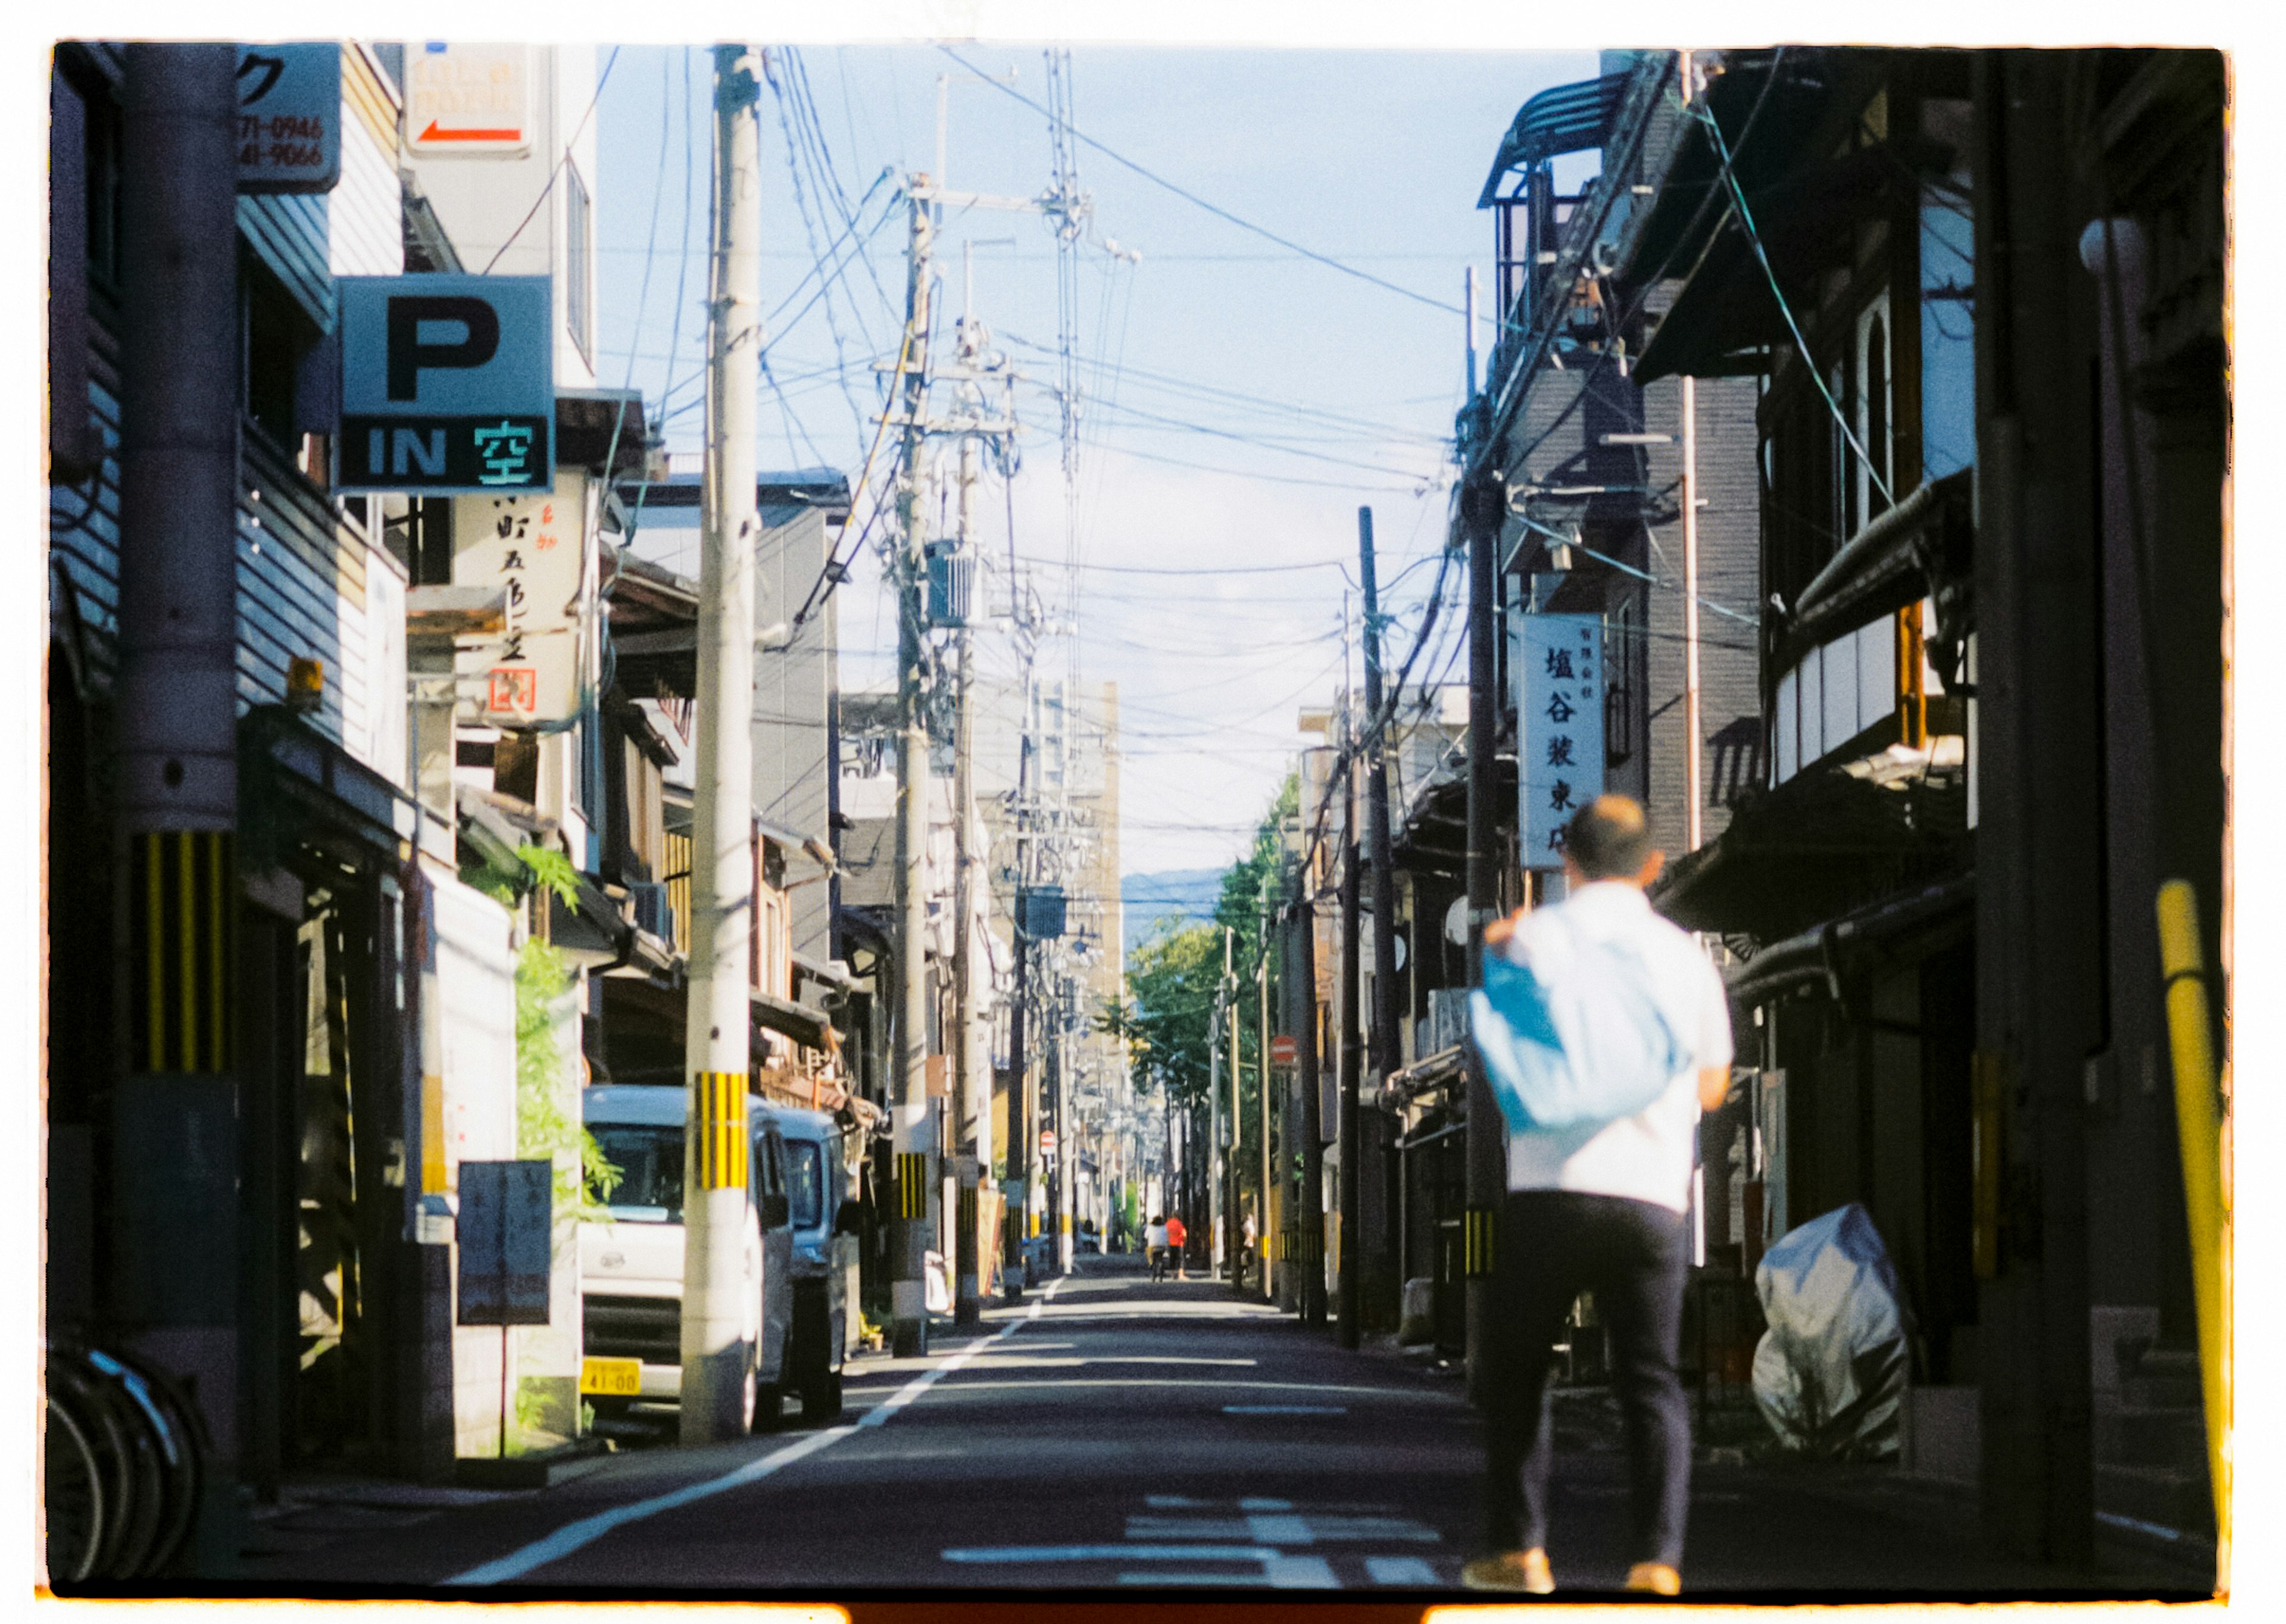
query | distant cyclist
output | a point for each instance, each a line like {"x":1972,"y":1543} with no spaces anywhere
{"x":1155,"y":1244}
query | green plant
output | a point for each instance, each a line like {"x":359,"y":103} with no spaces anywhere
{"x":542,"y":1128}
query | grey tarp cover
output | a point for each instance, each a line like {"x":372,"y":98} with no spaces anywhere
{"x":1830,"y":1372}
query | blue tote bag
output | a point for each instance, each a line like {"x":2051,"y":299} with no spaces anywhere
{"x":1571,"y":1028}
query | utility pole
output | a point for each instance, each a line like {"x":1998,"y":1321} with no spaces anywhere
{"x":1265,"y":1228}
{"x":1483,"y":507}
{"x":1017,"y":1187}
{"x":1385,"y":1055}
{"x":974,"y":1141}
{"x":1214,"y":1153}
{"x":1693,"y":792}
{"x":717,"y":1362}
{"x":174,"y":1127}
{"x":915,"y":1144}
{"x":1304,"y":1000}
{"x":1353,"y":1061}
{"x":1234,"y":1204}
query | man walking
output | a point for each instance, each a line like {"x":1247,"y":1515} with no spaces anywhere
{"x":1603,"y":1206}
{"x":1176,"y":1235}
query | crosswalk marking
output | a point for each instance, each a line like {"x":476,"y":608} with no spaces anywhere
{"x":1400,"y":1571}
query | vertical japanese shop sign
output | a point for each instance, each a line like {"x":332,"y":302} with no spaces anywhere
{"x":448,"y":384}
{"x":1559,"y":660}
{"x":289,"y":114}
{"x":535,"y":550}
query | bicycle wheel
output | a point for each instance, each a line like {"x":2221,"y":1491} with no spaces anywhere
{"x":98,"y":1410}
{"x":179,"y":1461}
{"x":74,"y":1497}
{"x":144,"y":1506}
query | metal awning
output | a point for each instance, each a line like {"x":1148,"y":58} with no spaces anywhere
{"x":1921,"y":548}
{"x":1571,"y":118}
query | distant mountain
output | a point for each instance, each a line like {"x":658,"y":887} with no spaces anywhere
{"x":1189,"y":894}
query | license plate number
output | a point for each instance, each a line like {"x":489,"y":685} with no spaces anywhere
{"x":613,"y":1378}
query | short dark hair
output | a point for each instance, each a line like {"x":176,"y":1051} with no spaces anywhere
{"x":1609,"y":838}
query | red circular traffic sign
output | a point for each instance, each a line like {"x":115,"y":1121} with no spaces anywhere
{"x":1285,"y":1049}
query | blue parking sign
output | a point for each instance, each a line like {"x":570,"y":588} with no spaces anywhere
{"x":448,"y":384}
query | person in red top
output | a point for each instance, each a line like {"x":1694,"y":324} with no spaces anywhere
{"x":1175,"y":1244}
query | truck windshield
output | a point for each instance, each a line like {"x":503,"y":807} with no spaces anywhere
{"x":806,"y":1182}
{"x":650,"y":1163}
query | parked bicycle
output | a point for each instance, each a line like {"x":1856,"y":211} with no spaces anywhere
{"x":126,"y":1462}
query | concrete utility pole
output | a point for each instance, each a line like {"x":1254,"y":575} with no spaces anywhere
{"x":1235,"y":1203}
{"x":1216,"y":1154}
{"x":915,"y":1144}
{"x":717,"y":1361}
{"x":1352,"y":1061}
{"x":1485,"y":1140}
{"x":1265,"y":1228}
{"x":1693,"y":794}
{"x":174,"y":1283}
{"x":1303,"y":998}
{"x":973,"y":1139}
{"x":1016,"y":1188}
{"x":1386,"y":1053}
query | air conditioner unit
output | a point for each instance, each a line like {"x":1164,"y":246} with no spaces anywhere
{"x":651,"y":911}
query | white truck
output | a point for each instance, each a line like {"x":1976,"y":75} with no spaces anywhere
{"x":631,"y":1263}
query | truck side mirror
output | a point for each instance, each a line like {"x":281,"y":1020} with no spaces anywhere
{"x":776,"y":1210}
{"x":848,"y":1219}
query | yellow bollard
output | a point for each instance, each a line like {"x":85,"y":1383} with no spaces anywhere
{"x":2200,"y":1132}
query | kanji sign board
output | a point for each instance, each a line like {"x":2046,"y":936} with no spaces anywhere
{"x":448,"y":384}
{"x":534,"y":549}
{"x":1558,"y":665}
{"x":504,"y":1229}
{"x":290,"y":117}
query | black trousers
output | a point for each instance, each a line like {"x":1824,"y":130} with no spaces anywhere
{"x":1551,"y":1246}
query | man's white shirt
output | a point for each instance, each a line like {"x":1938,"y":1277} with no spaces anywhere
{"x":1646,"y":1157}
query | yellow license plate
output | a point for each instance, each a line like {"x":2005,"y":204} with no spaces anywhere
{"x":613,"y":1378}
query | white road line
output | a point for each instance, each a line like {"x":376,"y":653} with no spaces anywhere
{"x":1400,"y":1571}
{"x":588,"y":1530}
{"x":1111,"y":1553}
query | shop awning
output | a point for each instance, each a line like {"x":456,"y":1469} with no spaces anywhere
{"x":1895,"y":930}
{"x":1820,"y":845}
{"x":807,"y":1027}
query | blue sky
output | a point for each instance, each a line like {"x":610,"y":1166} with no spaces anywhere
{"x":1306,"y":391}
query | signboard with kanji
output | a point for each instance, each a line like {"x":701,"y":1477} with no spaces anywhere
{"x":290,"y":117}
{"x":505,"y":1232}
{"x":448,"y":384}
{"x":472,"y":100}
{"x":535,"y":550}
{"x":1558,"y":665}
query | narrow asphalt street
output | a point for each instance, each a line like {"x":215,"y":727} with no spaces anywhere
{"x":1108,"y":1434}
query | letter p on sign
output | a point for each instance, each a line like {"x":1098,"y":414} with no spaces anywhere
{"x":448,"y":384}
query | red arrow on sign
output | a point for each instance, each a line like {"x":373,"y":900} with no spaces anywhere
{"x":435,"y":133}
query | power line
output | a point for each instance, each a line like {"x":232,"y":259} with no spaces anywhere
{"x":1213,"y":209}
{"x":601,"y":79}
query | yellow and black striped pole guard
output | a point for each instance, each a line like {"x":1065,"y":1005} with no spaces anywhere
{"x":912,"y":1184}
{"x":718,"y":1131}
{"x":181,"y":890}
{"x":1478,"y":1226}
